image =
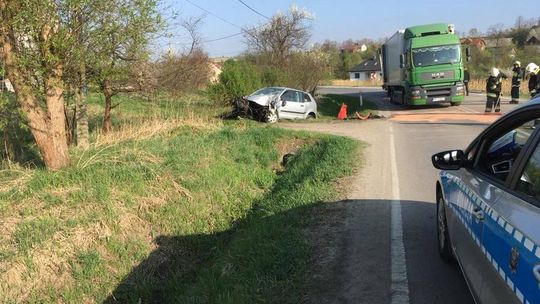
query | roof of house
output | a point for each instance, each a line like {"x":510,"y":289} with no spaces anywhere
{"x":370,"y":65}
{"x":481,"y":42}
{"x":474,"y":41}
{"x":534,"y":35}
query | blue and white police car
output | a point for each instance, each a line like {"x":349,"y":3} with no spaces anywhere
{"x":488,"y":208}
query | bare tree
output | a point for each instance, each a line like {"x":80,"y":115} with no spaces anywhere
{"x":192,"y":27}
{"x":282,"y":35}
{"x":315,"y":66}
{"x":474,"y":33}
{"x":186,"y":70}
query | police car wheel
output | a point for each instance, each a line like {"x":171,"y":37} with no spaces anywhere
{"x":442,"y":232}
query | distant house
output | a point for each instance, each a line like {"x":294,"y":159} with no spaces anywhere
{"x":214,"y":70}
{"x":366,"y":70}
{"x":533,"y":38}
{"x":500,"y":44}
{"x":478,"y":43}
{"x":215,"y":66}
{"x":354,"y":48}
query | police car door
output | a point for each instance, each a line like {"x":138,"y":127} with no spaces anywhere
{"x":512,"y":232}
{"x":466,"y":227}
{"x":499,"y":251}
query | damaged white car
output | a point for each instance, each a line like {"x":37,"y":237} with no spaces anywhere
{"x":271,"y":104}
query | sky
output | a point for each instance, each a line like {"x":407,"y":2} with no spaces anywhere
{"x":336,"y":20}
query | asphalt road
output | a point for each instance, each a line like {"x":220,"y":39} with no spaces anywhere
{"x":385,"y":248}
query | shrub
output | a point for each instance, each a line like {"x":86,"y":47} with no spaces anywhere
{"x":238,"y":78}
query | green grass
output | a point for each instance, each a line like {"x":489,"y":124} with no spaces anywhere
{"x":30,"y":233}
{"x":163,"y":218}
{"x":195,"y":213}
{"x":328,"y":106}
{"x":267,"y":257}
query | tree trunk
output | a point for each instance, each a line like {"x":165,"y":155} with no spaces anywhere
{"x":107,"y":93}
{"x":47,"y":125}
{"x":81,"y":112}
{"x":54,"y":99}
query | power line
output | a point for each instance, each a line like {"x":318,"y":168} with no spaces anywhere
{"x":223,"y":38}
{"x":226,"y":21}
{"x":256,"y":12}
{"x":210,"y":13}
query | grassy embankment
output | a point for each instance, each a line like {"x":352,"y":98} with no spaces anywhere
{"x":173,"y":206}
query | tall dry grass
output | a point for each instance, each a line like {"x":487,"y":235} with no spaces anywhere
{"x":149,"y":127}
{"x":479,"y":86}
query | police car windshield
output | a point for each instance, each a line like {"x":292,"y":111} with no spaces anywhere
{"x":441,"y":54}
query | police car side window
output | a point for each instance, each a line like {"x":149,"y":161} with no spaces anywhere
{"x":503,"y":150}
{"x":529,"y":183}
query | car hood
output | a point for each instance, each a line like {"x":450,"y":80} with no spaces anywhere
{"x":263,"y":100}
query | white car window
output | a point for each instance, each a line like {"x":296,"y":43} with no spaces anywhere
{"x":291,"y":96}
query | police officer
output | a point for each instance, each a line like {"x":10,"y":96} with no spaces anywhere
{"x":493,"y":90}
{"x":532,"y":71}
{"x":517,"y":75}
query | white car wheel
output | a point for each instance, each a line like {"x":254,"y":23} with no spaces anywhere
{"x":271,"y":117}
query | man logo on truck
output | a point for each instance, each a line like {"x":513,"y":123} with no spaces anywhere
{"x":438,"y":75}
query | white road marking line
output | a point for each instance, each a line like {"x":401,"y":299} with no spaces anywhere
{"x":400,"y":284}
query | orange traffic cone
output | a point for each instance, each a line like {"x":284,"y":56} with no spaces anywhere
{"x":342,"y":112}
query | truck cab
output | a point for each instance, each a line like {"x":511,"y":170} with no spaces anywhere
{"x":423,"y":65}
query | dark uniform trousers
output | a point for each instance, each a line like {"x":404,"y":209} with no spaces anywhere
{"x":533,"y":85}
{"x":516,"y":82}
{"x":493,"y":93}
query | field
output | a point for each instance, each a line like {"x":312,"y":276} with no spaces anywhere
{"x":174,"y":205}
{"x":479,"y":85}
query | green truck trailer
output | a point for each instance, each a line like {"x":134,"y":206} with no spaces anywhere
{"x":423,"y":65}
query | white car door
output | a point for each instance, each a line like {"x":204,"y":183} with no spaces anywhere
{"x":294,"y":105}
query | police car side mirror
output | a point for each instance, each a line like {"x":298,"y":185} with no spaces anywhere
{"x":448,"y":160}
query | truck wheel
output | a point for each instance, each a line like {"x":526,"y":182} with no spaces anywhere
{"x":454,"y":104}
{"x":394,"y":98}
